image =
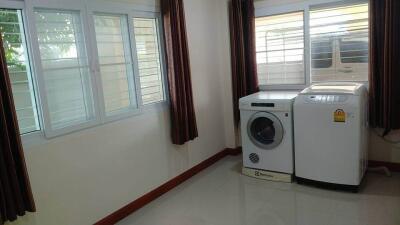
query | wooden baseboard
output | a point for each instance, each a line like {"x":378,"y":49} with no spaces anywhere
{"x":234,"y":151}
{"x":394,"y":167}
{"x":152,"y":195}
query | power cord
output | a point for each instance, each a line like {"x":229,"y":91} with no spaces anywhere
{"x":380,"y":169}
{"x":384,"y":137}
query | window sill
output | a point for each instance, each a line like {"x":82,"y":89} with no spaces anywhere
{"x":39,"y":138}
{"x":154,"y":107}
{"x":283,"y":87}
{"x":33,"y":139}
{"x":300,"y":87}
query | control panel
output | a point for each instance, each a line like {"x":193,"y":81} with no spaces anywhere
{"x":263,"y":104}
{"x":326,"y":99}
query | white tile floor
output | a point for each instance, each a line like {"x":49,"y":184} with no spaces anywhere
{"x":220,"y":195}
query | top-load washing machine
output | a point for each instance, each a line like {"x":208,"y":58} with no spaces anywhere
{"x":331,"y":131}
{"x":267,"y":134}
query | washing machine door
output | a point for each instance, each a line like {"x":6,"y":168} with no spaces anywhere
{"x":265,"y":130}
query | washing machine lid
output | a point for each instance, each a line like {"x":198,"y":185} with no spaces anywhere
{"x":265,"y":130}
{"x":334,"y":88}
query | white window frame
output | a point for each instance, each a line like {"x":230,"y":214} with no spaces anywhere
{"x":71,"y":6}
{"x":161,"y":48}
{"x":86,"y":10}
{"x":131,"y":11}
{"x":263,"y":9}
{"x":93,"y":10}
{"x":21,"y":5}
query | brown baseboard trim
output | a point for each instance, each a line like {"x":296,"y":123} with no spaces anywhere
{"x":234,"y":151}
{"x":394,"y":167}
{"x":152,"y":195}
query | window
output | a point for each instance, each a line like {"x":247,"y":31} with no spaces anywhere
{"x":339,"y":43}
{"x":353,"y":51}
{"x":331,"y":46}
{"x":280,"y":49}
{"x":116,"y":69}
{"x":322,"y":54}
{"x":65,"y":68}
{"x":91,"y":63}
{"x":148,"y":54}
{"x":11,"y":28}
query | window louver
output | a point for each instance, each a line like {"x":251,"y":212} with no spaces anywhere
{"x":19,"y":70}
{"x":65,"y":67}
{"x":147,"y":47}
{"x":280,"y":49}
{"x":114,"y":54}
{"x":339,"y":43}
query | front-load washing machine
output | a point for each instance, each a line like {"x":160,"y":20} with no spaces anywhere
{"x":267,"y":135}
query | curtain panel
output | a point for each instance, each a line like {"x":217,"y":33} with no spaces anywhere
{"x":243,"y":51}
{"x":384,"y":62}
{"x":183,"y":118}
{"x":15,"y":191}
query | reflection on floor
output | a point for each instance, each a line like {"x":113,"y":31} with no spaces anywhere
{"x":220,"y":195}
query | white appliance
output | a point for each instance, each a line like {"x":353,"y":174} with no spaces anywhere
{"x":267,"y":134}
{"x":330,"y":132}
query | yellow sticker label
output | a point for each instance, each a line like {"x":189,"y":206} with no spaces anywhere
{"x":339,"y":116}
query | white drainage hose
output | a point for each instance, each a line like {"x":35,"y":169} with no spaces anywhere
{"x":381,"y":169}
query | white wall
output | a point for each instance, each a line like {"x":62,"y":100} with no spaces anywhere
{"x":83,"y":177}
{"x":231,"y":134}
{"x":209,"y":35}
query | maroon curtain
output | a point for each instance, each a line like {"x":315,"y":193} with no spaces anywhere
{"x":15,"y":191}
{"x":183,"y":118}
{"x":243,"y":51}
{"x":384,"y":76}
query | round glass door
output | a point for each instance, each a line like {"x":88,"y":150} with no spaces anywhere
{"x":265,"y":130}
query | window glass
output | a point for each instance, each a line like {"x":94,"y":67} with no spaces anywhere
{"x":114,"y":54}
{"x":321,"y":54}
{"x":65,"y":67}
{"x":280,"y":49}
{"x":14,"y":43}
{"x":149,"y":61}
{"x":352,"y":51}
{"x":345,"y":30}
